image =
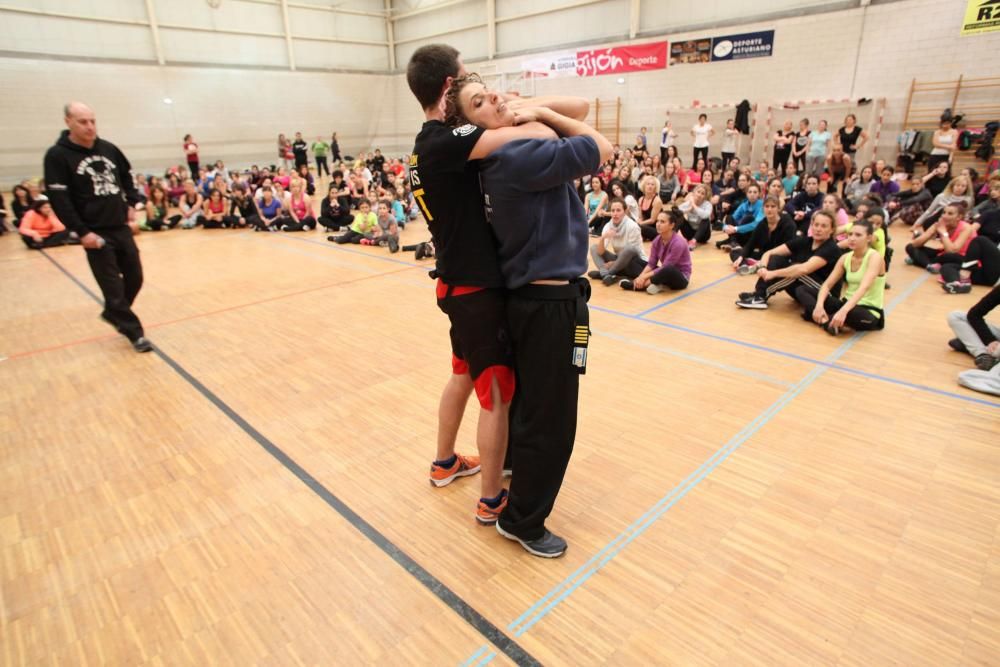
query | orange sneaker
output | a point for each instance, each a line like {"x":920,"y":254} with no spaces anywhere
{"x":462,"y":467}
{"x":487,"y":515}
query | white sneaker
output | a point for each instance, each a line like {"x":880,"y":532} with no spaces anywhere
{"x":653,"y":289}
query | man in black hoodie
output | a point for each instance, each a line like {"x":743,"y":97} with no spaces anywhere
{"x":90,"y":186}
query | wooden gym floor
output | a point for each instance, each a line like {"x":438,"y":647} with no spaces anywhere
{"x":745,"y":489}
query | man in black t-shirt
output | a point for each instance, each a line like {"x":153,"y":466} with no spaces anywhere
{"x":299,"y":149}
{"x":445,"y":181}
{"x":805,"y":260}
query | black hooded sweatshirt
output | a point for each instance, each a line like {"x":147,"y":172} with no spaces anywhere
{"x":90,"y":188}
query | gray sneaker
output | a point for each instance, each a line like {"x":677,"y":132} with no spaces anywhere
{"x":594,"y":275}
{"x":546,"y":546}
{"x":653,"y":289}
{"x":609,"y":280}
{"x":142,"y":344}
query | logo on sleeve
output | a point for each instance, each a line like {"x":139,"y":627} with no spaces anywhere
{"x":464,"y":130}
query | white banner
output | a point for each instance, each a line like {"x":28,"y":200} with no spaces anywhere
{"x":550,"y":65}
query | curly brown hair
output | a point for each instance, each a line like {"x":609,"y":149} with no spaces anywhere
{"x":453,"y":116}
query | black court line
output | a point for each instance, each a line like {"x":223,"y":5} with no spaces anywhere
{"x":467,"y":612}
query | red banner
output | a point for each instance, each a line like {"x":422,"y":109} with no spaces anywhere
{"x":619,"y":59}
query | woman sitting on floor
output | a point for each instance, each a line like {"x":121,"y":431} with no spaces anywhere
{"x":958,"y":191}
{"x":697,"y":215}
{"x":299,"y":209}
{"x":862,"y":272}
{"x":669,"y":264}
{"x":952,"y":232}
{"x":40,"y":228}
{"x":805,"y":260}
{"x":214,"y":211}
{"x":776,"y":229}
{"x":649,"y":206}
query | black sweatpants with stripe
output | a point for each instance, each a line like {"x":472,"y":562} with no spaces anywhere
{"x":543,"y":326}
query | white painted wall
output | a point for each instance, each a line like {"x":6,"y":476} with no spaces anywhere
{"x":235,"y":113}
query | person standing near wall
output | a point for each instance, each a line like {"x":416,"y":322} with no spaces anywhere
{"x":319,"y":149}
{"x":191,"y":154}
{"x":90,"y":186}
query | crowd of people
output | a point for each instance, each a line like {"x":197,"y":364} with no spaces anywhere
{"x":812,"y":223}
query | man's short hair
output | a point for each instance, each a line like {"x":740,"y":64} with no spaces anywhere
{"x":428,"y":69}
{"x":617,"y":200}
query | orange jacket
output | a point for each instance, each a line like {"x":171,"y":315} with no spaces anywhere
{"x":34,"y":223}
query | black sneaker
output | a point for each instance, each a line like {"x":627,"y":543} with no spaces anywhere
{"x":546,"y":546}
{"x":746,"y":296}
{"x":142,"y":344}
{"x":754,"y":302}
{"x":393,"y":245}
{"x":627,"y":284}
{"x":594,"y":275}
{"x":984,"y":362}
{"x":609,"y":280}
{"x":957,"y":345}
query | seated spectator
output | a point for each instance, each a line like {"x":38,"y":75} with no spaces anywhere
{"x":302,"y":172}
{"x":20,"y":202}
{"x":776,"y":229}
{"x":156,"y":211}
{"x":175,"y":189}
{"x":978,"y":265}
{"x":141,"y":187}
{"x":299,"y":209}
{"x":885,"y":187}
{"x":862,"y":274}
{"x":909,"y":205}
{"x":807,"y":200}
{"x":647,"y":208}
{"x":670,"y":185}
{"x":790,"y":182}
{"x":364,"y":227}
{"x":282,"y":178}
{"x":838,"y":169}
{"x":952,"y":233}
{"x":776,"y":189}
{"x":243,"y":209}
{"x":841,"y":219}
{"x":399,"y":211}
{"x":761,"y":174}
{"x":3,"y":215}
{"x":697,"y":217}
{"x":976,"y":336}
{"x":938,"y":178}
{"x":618,"y":253}
{"x":333,"y":212}
{"x":740,"y":225}
{"x":270,"y":209}
{"x":957,"y":191}
{"x":731,"y":198}
{"x":858,"y":187}
{"x":40,"y":228}
{"x":805,"y":260}
{"x":616,"y":189}
{"x":597,"y":206}
{"x":987,"y":213}
{"x":214,"y":211}
{"x":191,"y":204}
{"x":669,"y":264}
{"x":388,"y":232}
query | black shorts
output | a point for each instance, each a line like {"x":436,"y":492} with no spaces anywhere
{"x":479,"y":335}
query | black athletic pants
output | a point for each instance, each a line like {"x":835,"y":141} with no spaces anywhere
{"x":305,"y":224}
{"x":321,"y":166}
{"x":545,"y":322}
{"x":859,"y":318}
{"x":336,"y":222}
{"x":726,"y":159}
{"x":51,"y":241}
{"x":701,"y":234}
{"x":703,"y":151}
{"x":981,"y":250}
{"x":922,"y":255}
{"x":768,"y":288}
{"x":118,"y":271}
{"x":670,"y":277}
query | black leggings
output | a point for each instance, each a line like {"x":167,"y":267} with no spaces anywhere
{"x":858,"y":318}
{"x":336,"y":222}
{"x":703,"y":151}
{"x":922,"y":255}
{"x":981,"y":250}
{"x":321,"y":166}
{"x":669,"y":276}
{"x":700,"y":234}
{"x":780,"y":161}
{"x":350,"y":236}
{"x":305,"y":224}
{"x":50,"y":241}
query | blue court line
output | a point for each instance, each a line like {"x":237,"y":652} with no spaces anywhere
{"x":802,"y":358}
{"x":700,"y":360}
{"x":685,"y":295}
{"x":561,"y":591}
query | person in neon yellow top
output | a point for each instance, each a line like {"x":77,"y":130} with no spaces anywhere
{"x":863,"y":273}
{"x":364,"y":227}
